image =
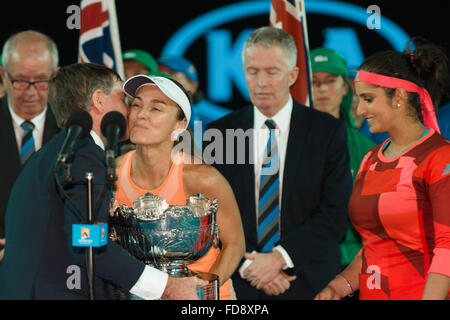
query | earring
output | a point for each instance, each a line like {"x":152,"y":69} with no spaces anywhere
{"x":398,"y":105}
{"x":175,"y":136}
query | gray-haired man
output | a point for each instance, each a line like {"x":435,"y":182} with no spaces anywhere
{"x":295,"y":217}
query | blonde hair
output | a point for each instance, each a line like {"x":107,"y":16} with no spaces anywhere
{"x":32,"y":36}
{"x":269,"y":37}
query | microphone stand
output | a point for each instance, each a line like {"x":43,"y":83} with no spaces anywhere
{"x":109,"y":181}
{"x":89,"y":251}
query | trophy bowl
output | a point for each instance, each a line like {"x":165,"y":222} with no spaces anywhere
{"x":169,"y":237}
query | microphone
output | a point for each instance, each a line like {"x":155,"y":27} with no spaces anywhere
{"x":78,"y":126}
{"x":113,"y":128}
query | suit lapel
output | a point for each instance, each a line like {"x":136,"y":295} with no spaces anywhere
{"x":296,"y":141}
{"x":50,"y":126}
{"x":9,"y":143}
{"x":246,"y":176}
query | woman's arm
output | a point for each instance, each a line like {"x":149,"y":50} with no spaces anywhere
{"x":208,"y":181}
{"x":345,"y":284}
{"x":437,"y":287}
{"x":438,"y":281}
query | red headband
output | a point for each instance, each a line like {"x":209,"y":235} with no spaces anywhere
{"x":426,"y":105}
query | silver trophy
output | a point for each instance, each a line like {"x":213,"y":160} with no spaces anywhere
{"x":169,"y":237}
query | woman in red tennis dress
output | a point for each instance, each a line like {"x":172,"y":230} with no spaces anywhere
{"x":401,"y":198}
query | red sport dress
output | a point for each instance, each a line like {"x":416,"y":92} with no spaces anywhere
{"x":401,"y":208}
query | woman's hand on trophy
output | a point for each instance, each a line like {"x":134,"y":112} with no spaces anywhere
{"x":183,"y":288}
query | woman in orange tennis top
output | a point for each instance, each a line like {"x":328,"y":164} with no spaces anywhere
{"x":160,"y":109}
{"x":400,"y":201}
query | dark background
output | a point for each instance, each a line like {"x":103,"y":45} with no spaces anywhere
{"x":149,"y":24}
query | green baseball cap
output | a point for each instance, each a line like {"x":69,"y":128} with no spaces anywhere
{"x":327,"y":60}
{"x":159,"y":74}
{"x":141,"y":56}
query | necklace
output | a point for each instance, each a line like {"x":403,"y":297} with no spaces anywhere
{"x":390,"y":151}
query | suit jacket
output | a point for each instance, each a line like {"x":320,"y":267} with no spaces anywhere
{"x":316,"y":188}
{"x":10,"y":161}
{"x":39,"y":256}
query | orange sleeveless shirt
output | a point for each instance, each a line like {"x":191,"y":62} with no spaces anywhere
{"x":172,"y":191}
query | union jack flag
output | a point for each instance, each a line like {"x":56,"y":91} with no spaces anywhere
{"x":99,"y":35}
{"x":290,"y":15}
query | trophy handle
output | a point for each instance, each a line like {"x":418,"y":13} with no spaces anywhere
{"x":216,"y":235}
{"x":211,"y":290}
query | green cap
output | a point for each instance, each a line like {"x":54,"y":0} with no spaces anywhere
{"x":327,"y":60}
{"x":141,"y":56}
{"x":159,"y":74}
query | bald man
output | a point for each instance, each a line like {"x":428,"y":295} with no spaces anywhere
{"x":29,"y":62}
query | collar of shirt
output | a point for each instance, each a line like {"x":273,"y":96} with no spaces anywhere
{"x":98,"y":141}
{"x":38,"y":121}
{"x":261,"y":134}
{"x":38,"y":132}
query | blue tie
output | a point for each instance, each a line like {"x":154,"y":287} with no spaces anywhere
{"x":27,"y":148}
{"x":269,"y":192}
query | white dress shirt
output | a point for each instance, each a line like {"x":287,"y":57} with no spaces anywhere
{"x":38,"y":131}
{"x":261,"y":136}
{"x":152,"y":282}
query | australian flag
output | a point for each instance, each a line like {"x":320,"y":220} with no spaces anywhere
{"x":290,"y":15}
{"x":99,"y":35}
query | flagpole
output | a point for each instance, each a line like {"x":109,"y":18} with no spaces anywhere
{"x":305,"y":35}
{"x":115,"y":38}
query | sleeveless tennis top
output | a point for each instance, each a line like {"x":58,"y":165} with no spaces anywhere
{"x":170,"y":190}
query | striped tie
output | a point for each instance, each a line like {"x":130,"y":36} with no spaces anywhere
{"x":27,"y":148}
{"x":269,"y":191}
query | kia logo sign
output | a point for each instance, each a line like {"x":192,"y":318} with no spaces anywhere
{"x":223,"y":54}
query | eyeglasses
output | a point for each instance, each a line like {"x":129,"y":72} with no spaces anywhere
{"x":40,"y":85}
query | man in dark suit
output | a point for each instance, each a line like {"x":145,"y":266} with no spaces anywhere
{"x":295,"y":182}
{"x":39,"y":261}
{"x":29,"y":61}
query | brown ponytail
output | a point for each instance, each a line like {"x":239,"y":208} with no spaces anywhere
{"x":431,"y":64}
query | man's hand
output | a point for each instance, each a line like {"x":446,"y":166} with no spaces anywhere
{"x":279,"y":285}
{"x":183,"y":288}
{"x":264,"y":268}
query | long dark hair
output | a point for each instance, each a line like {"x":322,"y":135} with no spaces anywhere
{"x":422,"y":63}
